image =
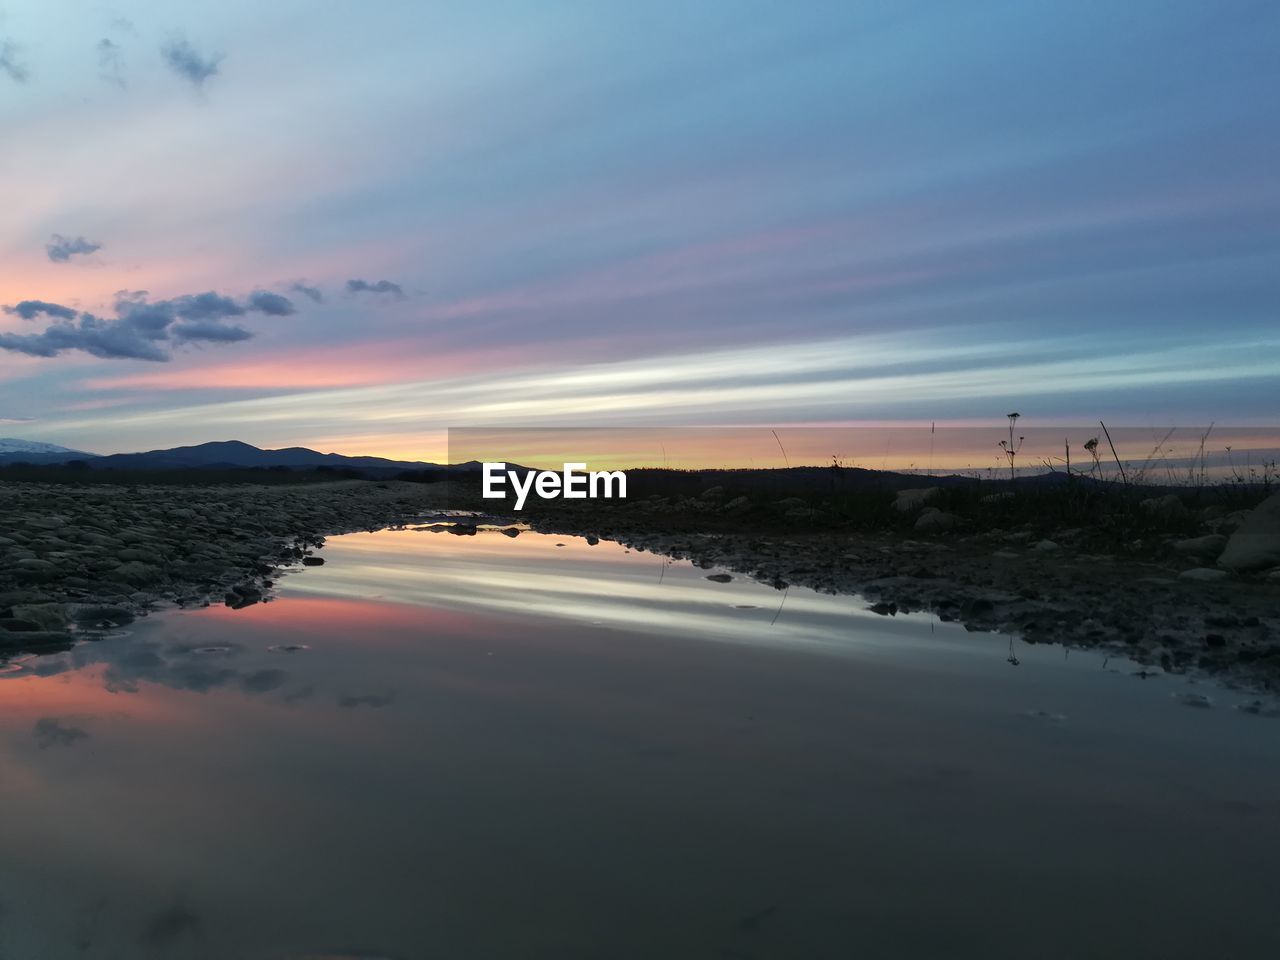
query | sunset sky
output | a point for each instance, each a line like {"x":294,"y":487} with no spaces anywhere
{"x":352,"y":226}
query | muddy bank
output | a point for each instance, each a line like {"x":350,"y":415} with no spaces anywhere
{"x":100,"y":554}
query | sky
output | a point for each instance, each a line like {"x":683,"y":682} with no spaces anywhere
{"x":355,"y":226}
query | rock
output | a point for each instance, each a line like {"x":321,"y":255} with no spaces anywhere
{"x":136,"y":573}
{"x":884,"y":609}
{"x":1255,"y":545}
{"x":737,"y":503}
{"x":910,"y":500}
{"x":17,"y":625}
{"x":31,"y":565}
{"x":97,"y":614}
{"x":319,"y":561}
{"x":977,"y":607}
{"x":712,"y":493}
{"x":1207,"y":546}
{"x":719,"y":577}
{"x":1259,"y":708}
{"x":791,"y":503}
{"x":1168,"y":507}
{"x":48,"y":616}
{"x":1203,"y":574}
{"x":1231,"y":522}
{"x":1046,"y":546}
{"x":933,"y":519}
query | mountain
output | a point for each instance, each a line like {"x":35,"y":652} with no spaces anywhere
{"x":224,"y":454}
{"x":13,"y":450}
{"x":12,"y":445}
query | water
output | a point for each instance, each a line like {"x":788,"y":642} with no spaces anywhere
{"x":439,"y":746}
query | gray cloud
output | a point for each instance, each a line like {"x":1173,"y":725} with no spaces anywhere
{"x":184,"y":60}
{"x":210,"y":330}
{"x":110,"y":62}
{"x":142,"y":329}
{"x":30,"y":309}
{"x":11,"y":61}
{"x":61,"y":249}
{"x":206,"y":306}
{"x":272,"y":304}
{"x":112,"y":339}
{"x":381,"y":286}
{"x":311,"y":293}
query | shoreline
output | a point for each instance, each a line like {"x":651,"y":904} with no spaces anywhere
{"x":97,"y":556}
{"x":1224,"y":629}
{"x":77,"y":558}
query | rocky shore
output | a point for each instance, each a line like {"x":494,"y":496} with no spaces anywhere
{"x":98,"y":555}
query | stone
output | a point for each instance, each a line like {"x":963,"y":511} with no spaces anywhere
{"x":933,"y":519}
{"x":1208,"y":546}
{"x":49,"y":616}
{"x":1255,"y":544}
{"x":1046,"y":546}
{"x":908,"y":501}
{"x":719,"y":577}
{"x":17,"y":625}
{"x":319,"y":561}
{"x":1203,"y":574}
{"x":136,"y":573}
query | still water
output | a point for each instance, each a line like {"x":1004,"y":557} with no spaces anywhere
{"x":439,"y":746}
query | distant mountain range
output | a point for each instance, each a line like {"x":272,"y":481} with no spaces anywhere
{"x":217,"y":455}
{"x":221,"y":455}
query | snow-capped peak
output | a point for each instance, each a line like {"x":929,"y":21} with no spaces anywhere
{"x":11,"y":445}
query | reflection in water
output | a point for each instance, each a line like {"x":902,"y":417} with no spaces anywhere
{"x":495,"y":746}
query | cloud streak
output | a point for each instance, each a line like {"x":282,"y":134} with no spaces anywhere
{"x":61,"y":249}
{"x":377,"y":287}
{"x":311,"y":293}
{"x":30,"y":309}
